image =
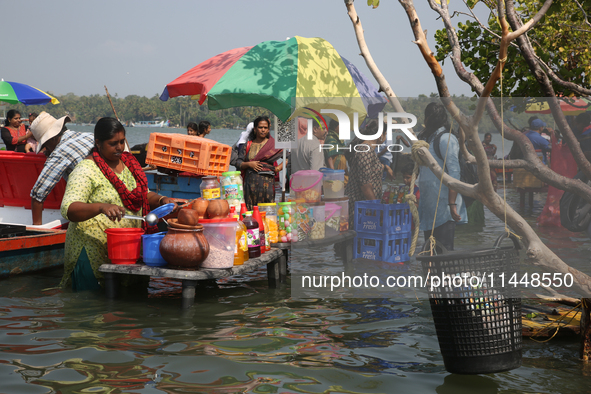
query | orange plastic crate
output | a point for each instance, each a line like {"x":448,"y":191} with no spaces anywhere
{"x":188,"y":153}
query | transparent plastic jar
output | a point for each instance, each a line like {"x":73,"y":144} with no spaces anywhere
{"x":210,"y":188}
{"x":232,"y":189}
{"x":270,"y":210}
{"x":286,"y":222}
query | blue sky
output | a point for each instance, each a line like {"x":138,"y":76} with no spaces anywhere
{"x":136,"y":47}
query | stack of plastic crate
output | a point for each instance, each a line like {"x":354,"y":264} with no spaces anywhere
{"x":383,"y":231}
{"x":188,"y":153}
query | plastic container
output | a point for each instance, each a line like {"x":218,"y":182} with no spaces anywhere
{"x":232,"y":189}
{"x":123,"y":244}
{"x":302,"y":220}
{"x":151,"y":250}
{"x":266,"y":227}
{"x":183,"y":152}
{"x":479,"y":328}
{"x":210,"y":188}
{"x":253,"y":237}
{"x":317,"y":217}
{"x":374,"y":217}
{"x":344,"y":204}
{"x":270,"y":210}
{"x":286,"y":222}
{"x":241,"y":251}
{"x":391,"y":248}
{"x":307,"y":185}
{"x":332,"y":219}
{"x":221,"y":235}
{"x":333,"y":183}
{"x":256,"y":215}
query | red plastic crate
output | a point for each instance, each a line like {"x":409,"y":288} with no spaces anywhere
{"x":188,"y":153}
{"x":18,"y":174}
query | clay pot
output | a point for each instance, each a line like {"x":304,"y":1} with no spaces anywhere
{"x":218,"y":209}
{"x":200,"y":205}
{"x":186,"y":248}
{"x":188,"y":216}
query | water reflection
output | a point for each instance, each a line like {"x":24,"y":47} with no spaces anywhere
{"x":243,"y":337}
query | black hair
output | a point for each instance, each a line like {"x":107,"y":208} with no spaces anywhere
{"x":9,"y":115}
{"x":408,"y":169}
{"x":332,"y":125}
{"x":435,"y":118}
{"x":193,"y":126}
{"x":584,"y":119}
{"x":531,"y":119}
{"x":256,"y":122}
{"x":370,"y":129}
{"x":486,"y":134}
{"x":106,"y":128}
{"x":203,"y":126}
{"x":35,"y":114}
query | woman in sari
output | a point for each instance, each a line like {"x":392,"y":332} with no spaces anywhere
{"x":257,"y":163}
{"x":103,"y":187}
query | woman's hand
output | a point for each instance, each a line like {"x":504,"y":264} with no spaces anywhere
{"x":112,"y":211}
{"x":453,"y":209}
{"x":255,"y":165}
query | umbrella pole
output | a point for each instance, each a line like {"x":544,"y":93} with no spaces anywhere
{"x":128,"y":148}
{"x":282,"y":177}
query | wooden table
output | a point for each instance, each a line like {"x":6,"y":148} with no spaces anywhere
{"x":530,"y":191}
{"x":275,"y":260}
{"x":344,"y":238}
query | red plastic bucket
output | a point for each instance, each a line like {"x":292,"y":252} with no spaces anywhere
{"x":123,"y":244}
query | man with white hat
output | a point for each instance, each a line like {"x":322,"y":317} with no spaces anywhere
{"x":64,"y":148}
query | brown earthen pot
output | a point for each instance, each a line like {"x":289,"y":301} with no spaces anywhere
{"x":200,"y":205}
{"x":218,"y":209}
{"x":188,"y":216}
{"x":184,"y":247}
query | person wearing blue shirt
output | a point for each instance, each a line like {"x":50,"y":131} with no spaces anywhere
{"x":539,"y":142}
{"x":451,"y":209}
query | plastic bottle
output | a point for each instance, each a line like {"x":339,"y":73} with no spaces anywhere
{"x":256,"y":215}
{"x":241,"y":251}
{"x":243,"y":209}
{"x":266,"y":226}
{"x":253,"y":238}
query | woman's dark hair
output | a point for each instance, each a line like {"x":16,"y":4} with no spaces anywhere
{"x":435,"y":117}
{"x":193,"y":125}
{"x":370,"y":129}
{"x":333,"y":124}
{"x":256,"y":122}
{"x":106,"y":128}
{"x":9,"y":115}
{"x":203,"y":126}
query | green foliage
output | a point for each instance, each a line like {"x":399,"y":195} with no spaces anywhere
{"x":373,"y":3}
{"x":179,"y":110}
{"x":561,"y":40}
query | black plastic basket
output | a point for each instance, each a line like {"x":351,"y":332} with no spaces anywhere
{"x":478,"y":327}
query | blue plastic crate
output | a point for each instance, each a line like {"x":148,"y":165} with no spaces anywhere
{"x":186,"y":187}
{"x":374,"y":217}
{"x":391,"y":248}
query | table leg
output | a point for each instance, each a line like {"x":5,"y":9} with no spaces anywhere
{"x":283,"y":266}
{"x":531,"y":199}
{"x":188,"y":293}
{"x":349,"y":251}
{"x":273,"y":275}
{"x":521,"y":198}
{"x":110,"y":284}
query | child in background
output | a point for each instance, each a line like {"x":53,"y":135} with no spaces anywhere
{"x":407,"y":171}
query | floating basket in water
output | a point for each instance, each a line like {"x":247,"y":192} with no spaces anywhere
{"x":478,"y":323}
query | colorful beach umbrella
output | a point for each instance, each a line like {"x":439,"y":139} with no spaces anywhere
{"x":273,"y":73}
{"x":568,"y":106}
{"x":14,"y":92}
